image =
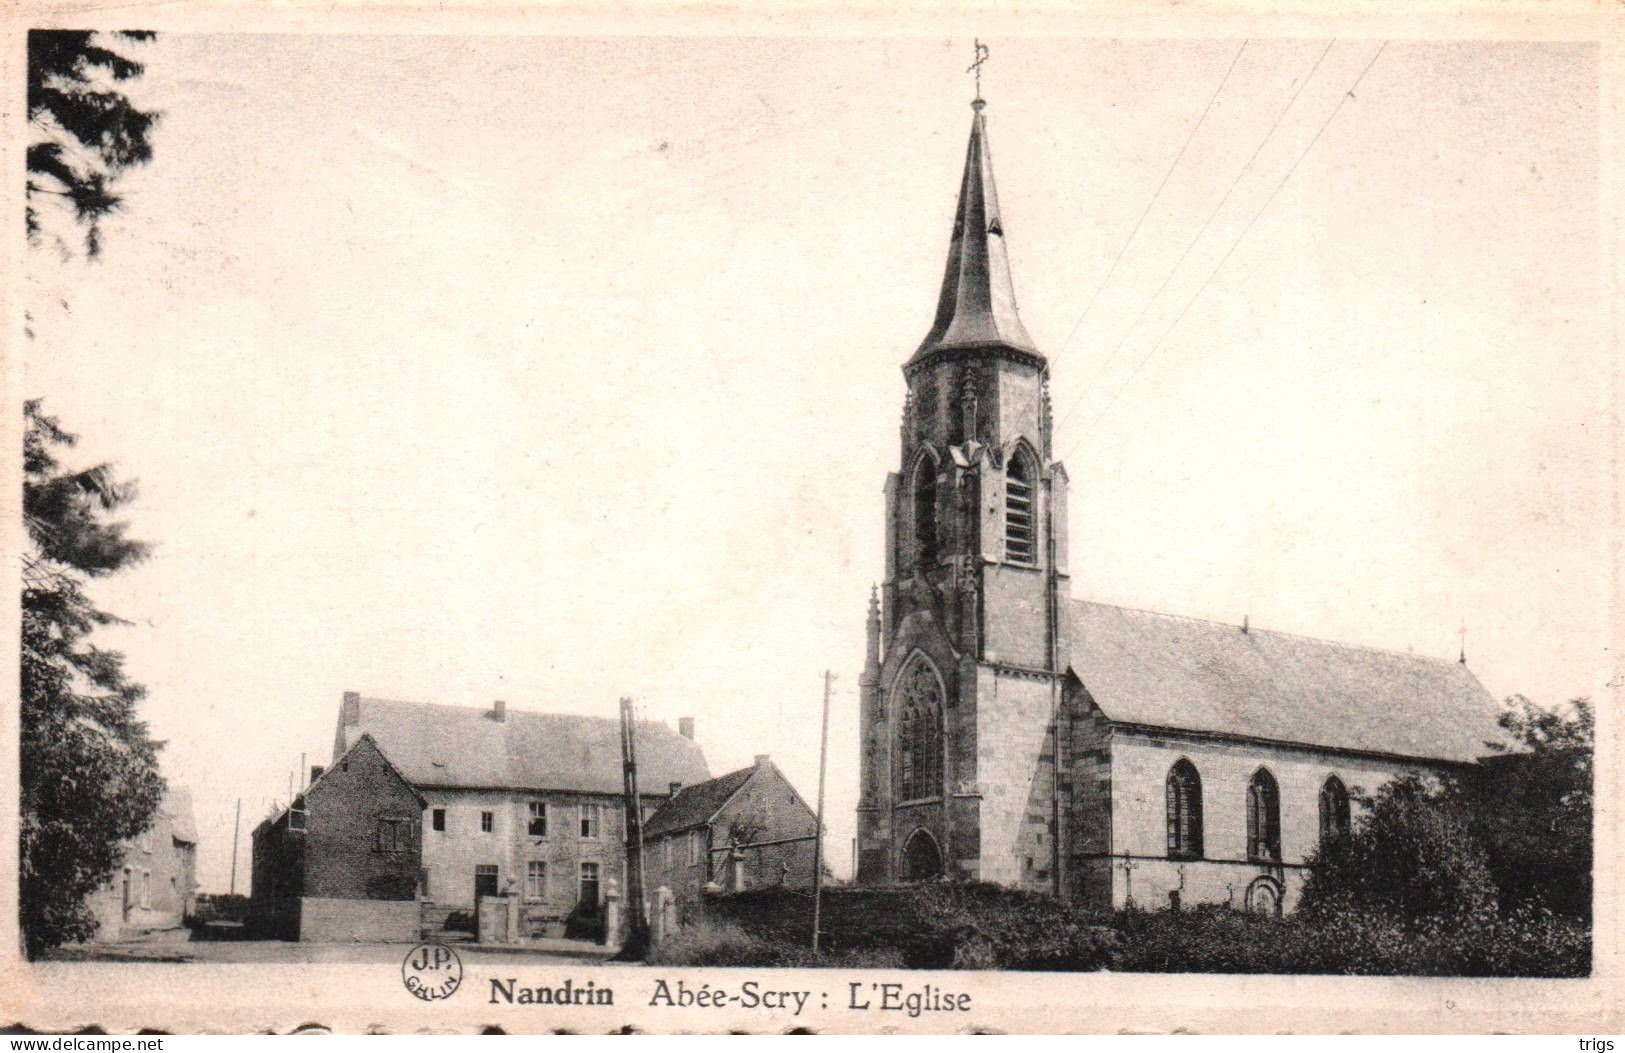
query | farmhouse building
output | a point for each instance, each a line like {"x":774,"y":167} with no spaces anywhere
{"x":155,"y":886}
{"x":519,"y":803}
{"x":1010,"y":733}
{"x":746,"y":829}
{"x":341,"y":863}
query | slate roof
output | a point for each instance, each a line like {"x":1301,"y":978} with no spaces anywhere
{"x":695,"y":805}
{"x":459,"y":746}
{"x":977,"y":305}
{"x":1182,"y":673}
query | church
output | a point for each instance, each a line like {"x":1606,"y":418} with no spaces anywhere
{"x":1010,"y":733}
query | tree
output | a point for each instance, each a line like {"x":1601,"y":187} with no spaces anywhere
{"x":83,"y":133}
{"x":1531,"y":806}
{"x":89,"y":771}
{"x":1411,"y":857}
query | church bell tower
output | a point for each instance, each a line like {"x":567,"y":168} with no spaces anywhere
{"x":966,"y":640}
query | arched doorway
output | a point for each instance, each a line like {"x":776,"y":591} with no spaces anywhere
{"x":922,"y":861}
{"x":1264,"y":896}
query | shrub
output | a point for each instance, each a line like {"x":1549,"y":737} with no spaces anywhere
{"x":1409,"y":857}
{"x":722,"y":944}
{"x":1531,"y":942}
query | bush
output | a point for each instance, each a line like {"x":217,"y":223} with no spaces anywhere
{"x":943,"y":925}
{"x":1410,"y":857}
{"x":722,"y":944}
{"x":1531,"y":942}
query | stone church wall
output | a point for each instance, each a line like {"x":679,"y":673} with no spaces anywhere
{"x":1015,"y":777}
{"x":1139,"y":772}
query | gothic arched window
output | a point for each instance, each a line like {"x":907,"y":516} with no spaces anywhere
{"x":1184,"y":811}
{"x":919,"y":738}
{"x":1263,"y":817}
{"x":925,"y":508}
{"x":1334,"y":809}
{"x":1019,"y":510}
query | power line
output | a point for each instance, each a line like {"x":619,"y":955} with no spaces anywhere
{"x":1149,"y":205}
{"x":1345,"y":97}
{"x":1192,"y":244}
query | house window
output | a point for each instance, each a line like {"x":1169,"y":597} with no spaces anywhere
{"x":298,"y":818}
{"x":1334,"y":809}
{"x":535,"y":879}
{"x":146,"y":888}
{"x":394,"y":835}
{"x":925,"y":508}
{"x":665,"y":853}
{"x":488,"y":822}
{"x":423,"y":883}
{"x":589,"y":889}
{"x":438,"y":818}
{"x":919,"y":744}
{"x":1184,"y":811}
{"x":146,"y":840}
{"x":694,"y":848}
{"x":590,"y":817}
{"x":1263,"y":817}
{"x":538,"y":818}
{"x":1018,"y":511}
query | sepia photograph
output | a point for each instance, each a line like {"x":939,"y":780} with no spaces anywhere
{"x":565,"y":526}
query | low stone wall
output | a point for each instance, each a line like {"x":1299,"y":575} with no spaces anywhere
{"x":358,"y":920}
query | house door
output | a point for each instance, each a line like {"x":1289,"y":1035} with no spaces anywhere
{"x":485,"y":881}
{"x":589,"y":890}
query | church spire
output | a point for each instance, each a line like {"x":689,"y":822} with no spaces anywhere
{"x":977,"y":307}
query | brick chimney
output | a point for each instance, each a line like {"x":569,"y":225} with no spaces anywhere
{"x":685,"y":727}
{"x":675,"y":787}
{"x":762,"y":760}
{"x":316,"y":772}
{"x":499,"y":711}
{"x":350,"y":714}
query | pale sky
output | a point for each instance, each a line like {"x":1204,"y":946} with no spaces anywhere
{"x":555,"y":370}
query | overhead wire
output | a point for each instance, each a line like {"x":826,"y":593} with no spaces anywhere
{"x":1343,"y":99}
{"x":1155,"y":296}
{"x":1149,"y":205}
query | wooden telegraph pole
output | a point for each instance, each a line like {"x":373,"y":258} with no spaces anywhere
{"x":236,"y":826}
{"x":818,"y":842}
{"x":637,"y":918}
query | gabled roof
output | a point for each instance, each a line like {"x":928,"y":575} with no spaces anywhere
{"x":1180,"y":673}
{"x":977,"y":306}
{"x":457,"y":746}
{"x":695,"y":805}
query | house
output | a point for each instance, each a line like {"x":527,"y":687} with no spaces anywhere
{"x":746,"y":829}
{"x":156,"y":883}
{"x":1010,"y":733}
{"x":341,"y":863}
{"x":522,"y":803}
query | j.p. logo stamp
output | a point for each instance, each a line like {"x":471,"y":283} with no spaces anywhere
{"x":432,"y":971}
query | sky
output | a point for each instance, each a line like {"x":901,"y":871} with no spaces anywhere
{"x":556,"y":370}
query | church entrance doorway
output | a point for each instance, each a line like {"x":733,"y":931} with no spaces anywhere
{"x":921,"y":859}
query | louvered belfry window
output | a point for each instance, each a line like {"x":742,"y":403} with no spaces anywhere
{"x":1019,"y":511}
{"x":1184,"y":811}
{"x":919,"y":739}
{"x":1263,"y":818}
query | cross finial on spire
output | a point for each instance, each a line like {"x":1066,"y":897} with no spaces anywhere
{"x":976,"y":68}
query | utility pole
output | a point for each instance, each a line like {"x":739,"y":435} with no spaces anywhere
{"x":818,"y":843}
{"x":236,"y":826}
{"x":637,"y":918}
